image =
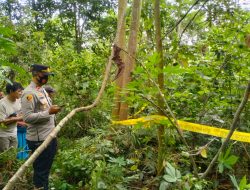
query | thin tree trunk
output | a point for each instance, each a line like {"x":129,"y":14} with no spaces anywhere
{"x":120,"y":42}
{"x":129,"y":61}
{"x":169,"y":114}
{"x":9,"y":9}
{"x":161,"y":130}
{"x":34,"y":8}
{"x":232,"y":129}
{"x":77,"y":29}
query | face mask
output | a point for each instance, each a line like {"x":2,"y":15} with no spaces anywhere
{"x":43,"y":79}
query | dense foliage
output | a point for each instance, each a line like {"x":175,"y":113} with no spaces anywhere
{"x":206,"y":69}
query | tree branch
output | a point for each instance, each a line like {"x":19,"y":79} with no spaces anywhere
{"x":179,"y":21}
{"x":231,"y":131}
{"x":192,"y":19}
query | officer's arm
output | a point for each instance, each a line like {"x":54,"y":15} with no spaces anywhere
{"x":28,"y":109}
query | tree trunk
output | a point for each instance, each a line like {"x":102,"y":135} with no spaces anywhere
{"x":129,"y":59}
{"x":159,"y":50}
{"x":9,"y":9}
{"x":78,"y":40}
{"x":34,"y":8}
{"x":120,"y":42}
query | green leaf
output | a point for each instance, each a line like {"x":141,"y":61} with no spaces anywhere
{"x":7,"y":45}
{"x":234,"y":181}
{"x":133,"y":168}
{"x":170,"y":170}
{"x":174,"y":70}
{"x":164,"y":185}
{"x":204,"y":153}
{"x":221,"y":168}
{"x":231,"y":160}
{"x":247,"y":186}
{"x":5,"y":31}
{"x":243,"y":183}
{"x":172,"y":174}
{"x":228,"y":166}
{"x":120,"y":161}
{"x":220,"y":158}
{"x":178,"y":174}
{"x":154,"y":58}
{"x":228,"y":151}
{"x":169,"y":178}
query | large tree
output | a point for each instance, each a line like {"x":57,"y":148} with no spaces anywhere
{"x":120,"y":42}
{"x":130,"y":57}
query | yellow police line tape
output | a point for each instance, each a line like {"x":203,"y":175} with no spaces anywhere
{"x":193,"y":127}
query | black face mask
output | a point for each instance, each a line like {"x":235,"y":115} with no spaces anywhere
{"x":43,"y":79}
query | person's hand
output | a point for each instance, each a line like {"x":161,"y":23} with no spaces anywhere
{"x":10,"y":120}
{"x":19,"y":118}
{"x":16,"y":118}
{"x":54,"y":109}
{"x":22,"y":123}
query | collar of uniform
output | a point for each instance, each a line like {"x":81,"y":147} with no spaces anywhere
{"x":33,"y":85}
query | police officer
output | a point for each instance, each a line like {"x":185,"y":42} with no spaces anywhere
{"x":39,"y":114}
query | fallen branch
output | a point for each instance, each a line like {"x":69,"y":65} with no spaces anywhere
{"x":232,"y":129}
{"x":53,"y":134}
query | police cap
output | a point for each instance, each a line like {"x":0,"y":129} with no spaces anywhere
{"x":41,"y":68}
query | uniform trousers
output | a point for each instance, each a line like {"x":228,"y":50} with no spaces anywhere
{"x":43,"y":163}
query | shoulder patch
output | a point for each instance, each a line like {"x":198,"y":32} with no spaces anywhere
{"x":29,"y":97}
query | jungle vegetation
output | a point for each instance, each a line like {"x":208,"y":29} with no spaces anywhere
{"x":187,"y":60}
